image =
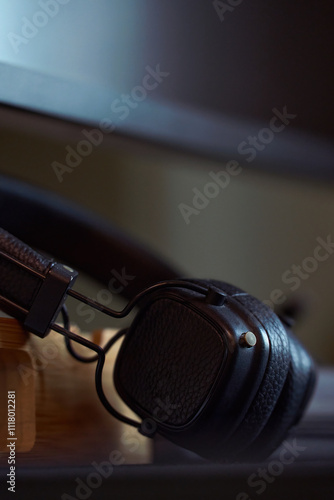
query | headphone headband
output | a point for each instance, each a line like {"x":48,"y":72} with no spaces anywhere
{"x":85,"y":241}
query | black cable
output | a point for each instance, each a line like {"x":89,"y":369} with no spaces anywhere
{"x":101,"y":351}
{"x":99,"y":366}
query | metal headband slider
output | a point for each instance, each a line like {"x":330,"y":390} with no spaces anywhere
{"x":49,"y":299}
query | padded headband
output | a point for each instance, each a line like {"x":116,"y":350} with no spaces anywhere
{"x":77,"y":237}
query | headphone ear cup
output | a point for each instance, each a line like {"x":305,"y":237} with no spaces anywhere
{"x":225,"y":399}
{"x":297,"y":386}
{"x":294,"y":397}
{"x":264,"y":404}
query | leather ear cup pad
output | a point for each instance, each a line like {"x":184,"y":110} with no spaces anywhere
{"x":265,"y":401}
{"x":291,"y":403}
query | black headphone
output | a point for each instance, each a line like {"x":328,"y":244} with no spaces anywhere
{"x":203,"y":363}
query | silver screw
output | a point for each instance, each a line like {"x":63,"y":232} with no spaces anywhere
{"x":248,"y":339}
{"x":68,"y":268}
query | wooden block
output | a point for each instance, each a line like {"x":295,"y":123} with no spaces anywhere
{"x":17,"y":409}
{"x":72,"y":426}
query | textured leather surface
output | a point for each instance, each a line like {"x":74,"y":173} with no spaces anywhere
{"x":275,"y":376}
{"x":17,"y":284}
{"x":175,"y":357}
{"x":277,"y":369}
{"x":298,"y":385}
